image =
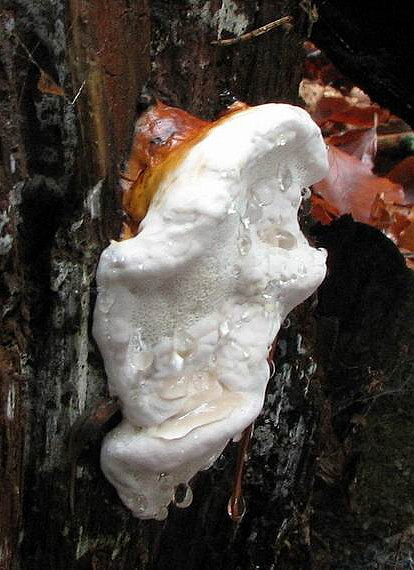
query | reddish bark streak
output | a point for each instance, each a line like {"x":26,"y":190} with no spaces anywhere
{"x":12,"y":420}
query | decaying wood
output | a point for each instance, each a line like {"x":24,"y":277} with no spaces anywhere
{"x":72,"y":73}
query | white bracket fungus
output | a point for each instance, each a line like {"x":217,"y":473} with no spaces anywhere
{"x":188,"y":308}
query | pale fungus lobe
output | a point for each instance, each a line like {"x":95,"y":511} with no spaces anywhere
{"x":190,"y":302}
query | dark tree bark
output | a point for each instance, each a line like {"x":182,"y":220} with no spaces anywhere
{"x":373,"y":46}
{"x":63,"y":138}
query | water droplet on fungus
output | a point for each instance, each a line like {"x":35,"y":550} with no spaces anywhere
{"x":245,"y":222}
{"x":165,"y":481}
{"x":270,"y":296}
{"x":118,"y":261}
{"x":244,"y":244}
{"x":253,"y":211}
{"x":244,"y":354}
{"x":286,"y":323}
{"x":177,"y":361}
{"x":236,"y":508}
{"x":184,"y":343}
{"x":142,"y":360}
{"x":162,"y":514}
{"x":302,"y":269}
{"x":138,"y":356}
{"x":271,"y":290}
{"x":285,"y":180}
{"x":183,"y":496}
{"x":272,"y":369}
{"x":276,"y":236}
{"x":141,"y":503}
{"x":232,"y":209}
{"x":264,"y":195}
{"x":281,"y":140}
{"x":224,"y":329}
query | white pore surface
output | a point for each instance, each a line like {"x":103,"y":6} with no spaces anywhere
{"x":188,"y":309}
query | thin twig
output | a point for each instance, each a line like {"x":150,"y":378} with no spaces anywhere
{"x":78,"y":93}
{"x":28,"y":52}
{"x":254,"y":33}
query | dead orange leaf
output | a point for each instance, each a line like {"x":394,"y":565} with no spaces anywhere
{"x":341,"y":110}
{"x":46,"y":84}
{"x":322,"y":210}
{"x":351,"y":188}
{"x":406,"y":238}
{"x":403,"y":173}
{"x":360,"y":143}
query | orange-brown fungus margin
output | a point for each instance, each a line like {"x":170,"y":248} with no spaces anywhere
{"x":162,"y":137}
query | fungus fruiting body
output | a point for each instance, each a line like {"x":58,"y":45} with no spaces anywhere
{"x":189,"y":306}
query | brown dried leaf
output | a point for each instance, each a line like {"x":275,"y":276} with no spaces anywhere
{"x":344,"y":110}
{"x":351,"y":188}
{"x":403,"y":173}
{"x":360,"y":143}
{"x":406,"y":238}
{"x":46,"y":84}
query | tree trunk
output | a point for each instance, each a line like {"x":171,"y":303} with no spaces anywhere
{"x":71,"y":76}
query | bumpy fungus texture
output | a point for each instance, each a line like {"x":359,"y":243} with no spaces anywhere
{"x":188,"y":308}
